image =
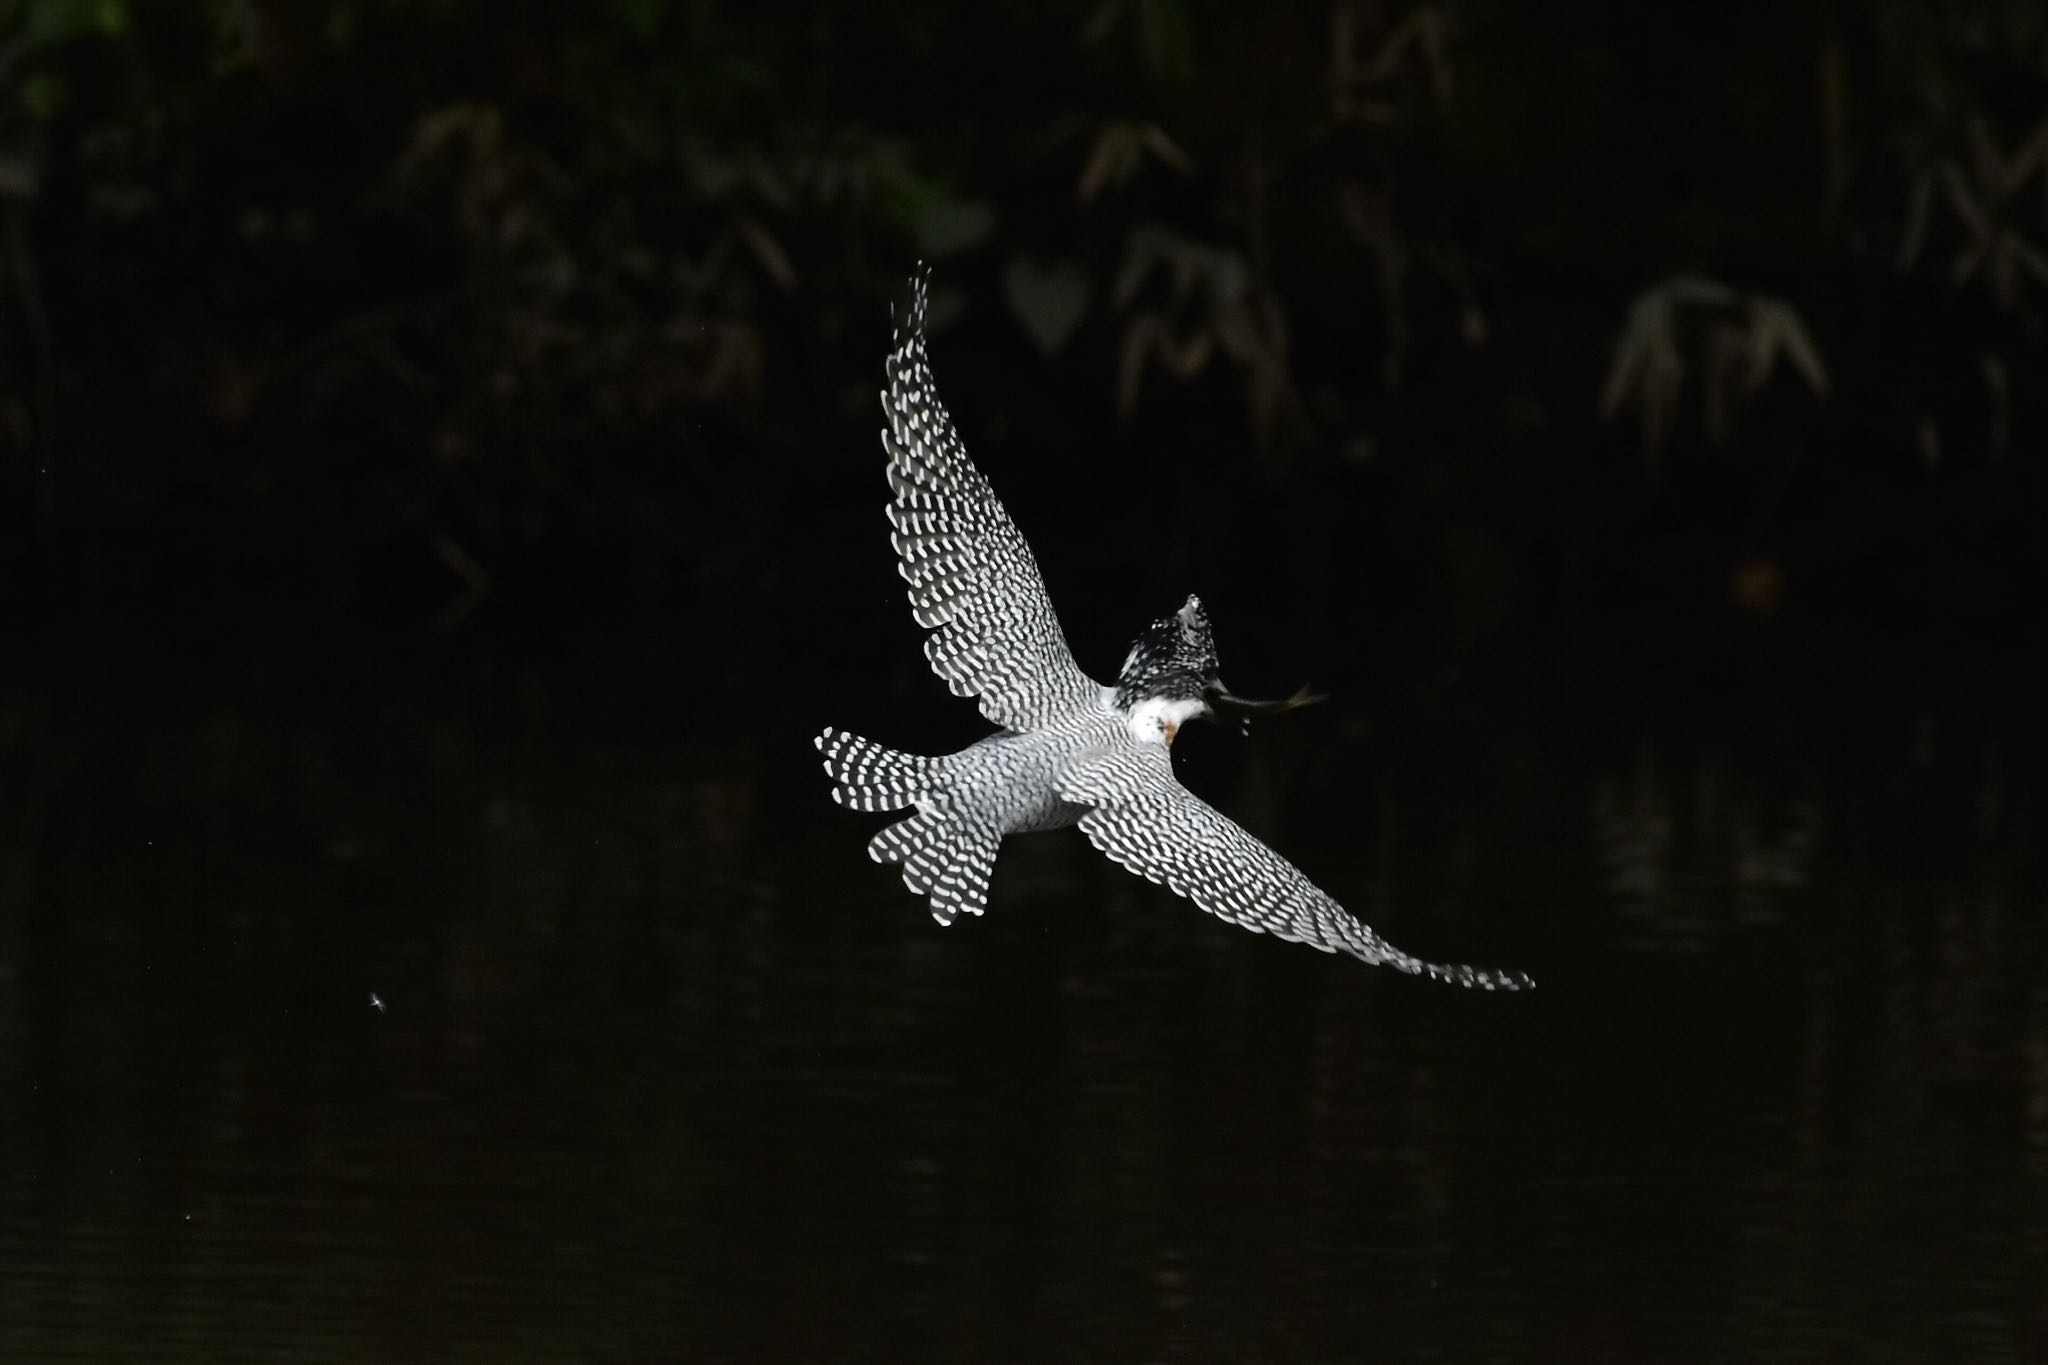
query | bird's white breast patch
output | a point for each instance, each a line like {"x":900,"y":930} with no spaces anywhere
{"x":1156,"y":720}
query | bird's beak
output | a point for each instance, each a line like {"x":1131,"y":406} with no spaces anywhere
{"x":1221,"y":703}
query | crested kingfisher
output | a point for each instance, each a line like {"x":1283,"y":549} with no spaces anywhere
{"x":1069,"y":750}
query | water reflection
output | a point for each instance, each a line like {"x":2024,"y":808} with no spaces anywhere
{"x":667,"y":1071}
{"x":1740,"y":850}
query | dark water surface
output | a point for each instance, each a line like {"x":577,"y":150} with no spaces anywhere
{"x":668,"y":1071}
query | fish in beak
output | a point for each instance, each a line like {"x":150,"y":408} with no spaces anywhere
{"x":1220,"y":703}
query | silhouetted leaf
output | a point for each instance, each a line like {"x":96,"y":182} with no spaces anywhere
{"x":1742,"y":340}
{"x":1120,"y":150}
{"x":1048,"y":300}
{"x":948,"y":227}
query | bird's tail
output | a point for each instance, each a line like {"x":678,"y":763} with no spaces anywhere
{"x":871,"y":777}
{"x":945,"y":856}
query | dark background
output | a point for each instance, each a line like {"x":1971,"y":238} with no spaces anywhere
{"x":440,"y":499}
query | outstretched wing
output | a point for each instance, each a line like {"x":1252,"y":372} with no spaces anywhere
{"x":1142,"y":817}
{"x":973,"y":581}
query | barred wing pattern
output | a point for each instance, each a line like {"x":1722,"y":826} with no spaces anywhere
{"x":973,"y":581}
{"x":1142,"y":817}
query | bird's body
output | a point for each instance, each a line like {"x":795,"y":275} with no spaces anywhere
{"x":967,"y":802}
{"x":1070,"y":751}
{"x":1016,"y":777}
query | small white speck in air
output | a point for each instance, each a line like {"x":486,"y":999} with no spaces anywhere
{"x":376,"y":1002}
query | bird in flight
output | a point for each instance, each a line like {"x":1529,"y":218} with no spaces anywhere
{"x":1069,"y":751}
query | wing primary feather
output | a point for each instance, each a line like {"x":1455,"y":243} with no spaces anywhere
{"x":972,"y":579}
{"x":1142,"y":818}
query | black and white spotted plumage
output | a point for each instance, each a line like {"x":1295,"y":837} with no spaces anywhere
{"x":973,"y":581}
{"x":1070,"y":750}
{"x":871,"y":777}
{"x":1173,"y":658}
{"x":1143,"y":818}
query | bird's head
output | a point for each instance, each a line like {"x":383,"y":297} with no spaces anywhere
{"x":1173,"y":660}
{"x":1170,"y":676}
{"x":1168,"y":673}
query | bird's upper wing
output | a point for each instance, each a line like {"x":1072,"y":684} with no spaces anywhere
{"x":1142,"y":817}
{"x":973,"y":581}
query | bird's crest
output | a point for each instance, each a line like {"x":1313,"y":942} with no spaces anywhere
{"x":1174,"y":658}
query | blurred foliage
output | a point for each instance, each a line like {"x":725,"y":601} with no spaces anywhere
{"x":463,"y":272}
{"x":1739,"y":340}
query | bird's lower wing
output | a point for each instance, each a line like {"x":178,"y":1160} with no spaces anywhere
{"x":973,"y":580}
{"x":1142,"y":817}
